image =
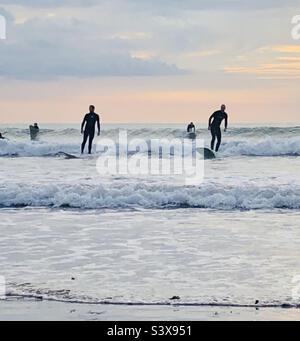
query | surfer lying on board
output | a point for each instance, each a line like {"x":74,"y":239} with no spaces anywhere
{"x":88,"y":128}
{"x":214,"y":126}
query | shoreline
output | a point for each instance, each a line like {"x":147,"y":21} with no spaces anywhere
{"x":29,"y":310}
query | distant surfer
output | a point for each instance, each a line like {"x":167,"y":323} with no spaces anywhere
{"x":215,"y":122}
{"x":34,"y":132}
{"x":2,"y":137}
{"x":88,"y":128}
{"x":191,"y":128}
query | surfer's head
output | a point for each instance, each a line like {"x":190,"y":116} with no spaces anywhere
{"x":223,"y":107}
{"x":92,"y":108}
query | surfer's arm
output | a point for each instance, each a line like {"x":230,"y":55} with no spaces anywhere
{"x":210,"y":120}
{"x":82,"y":124}
{"x":98,"y":124}
{"x":226,"y":122}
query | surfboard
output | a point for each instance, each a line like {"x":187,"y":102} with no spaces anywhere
{"x":67,"y":156}
{"x":207,"y":153}
{"x":192,"y":136}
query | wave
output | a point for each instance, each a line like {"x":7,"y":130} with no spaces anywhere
{"x":36,"y":149}
{"x":264,"y":147}
{"x":262,"y":132}
{"x":250,"y":147}
{"x":142,"y":196}
{"x":25,"y":133}
{"x":159,"y":132}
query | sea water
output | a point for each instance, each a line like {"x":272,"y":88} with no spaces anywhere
{"x":72,"y":235}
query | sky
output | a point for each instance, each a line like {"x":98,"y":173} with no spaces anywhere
{"x":169,"y":61}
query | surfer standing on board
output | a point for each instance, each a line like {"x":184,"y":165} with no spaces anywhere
{"x":214,"y":126}
{"x":88,"y":128}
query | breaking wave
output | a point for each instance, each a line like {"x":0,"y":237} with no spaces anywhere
{"x":142,"y":196}
{"x":230,"y":148}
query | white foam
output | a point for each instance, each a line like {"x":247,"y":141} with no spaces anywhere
{"x":264,"y":147}
{"x":251,"y":147}
{"x":28,"y":149}
{"x":143,"y":196}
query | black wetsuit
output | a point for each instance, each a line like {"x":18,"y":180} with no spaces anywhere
{"x":34,"y":132}
{"x":215,"y":127}
{"x":89,"y":121}
{"x":191,"y":128}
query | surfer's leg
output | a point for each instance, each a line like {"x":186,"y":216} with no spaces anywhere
{"x":91,"y":138}
{"x":85,"y":137}
{"x":213,"y":139}
{"x":219,"y":137}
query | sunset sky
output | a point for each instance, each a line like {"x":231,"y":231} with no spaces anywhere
{"x":149,"y":61}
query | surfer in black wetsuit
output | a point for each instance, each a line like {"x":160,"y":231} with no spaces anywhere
{"x":191,"y":128}
{"x":88,"y":128}
{"x":34,"y":131}
{"x":215,"y":122}
{"x":2,"y":137}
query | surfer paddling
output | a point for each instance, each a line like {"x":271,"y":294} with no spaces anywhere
{"x":214,"y":126}
{"x":88,"y":128}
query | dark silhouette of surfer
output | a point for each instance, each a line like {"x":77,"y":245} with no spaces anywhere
{"x":214,"y":124}
{"x":34,"y":131}
{"x":88,"y":128}
{"x":191,"y":128}
{"x":2,"y":137}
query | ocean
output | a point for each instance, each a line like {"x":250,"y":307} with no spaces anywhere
{"x":70,"y":235}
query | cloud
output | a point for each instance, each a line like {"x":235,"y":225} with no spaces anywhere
{"x":51,"y":3}
{"x":7,"y":15}
{"x":44,"y":48}
{"x":276,"y":67}
{"x":36,"y":64}
{"x":134,"y":37}
{"x":286,"y":48}
{"x":204,"y":53}
{"x":171,"y":5}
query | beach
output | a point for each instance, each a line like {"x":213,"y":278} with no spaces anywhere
{"x":53,"y":311}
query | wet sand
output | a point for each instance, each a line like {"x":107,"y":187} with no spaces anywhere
{"x":27,"y":310}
